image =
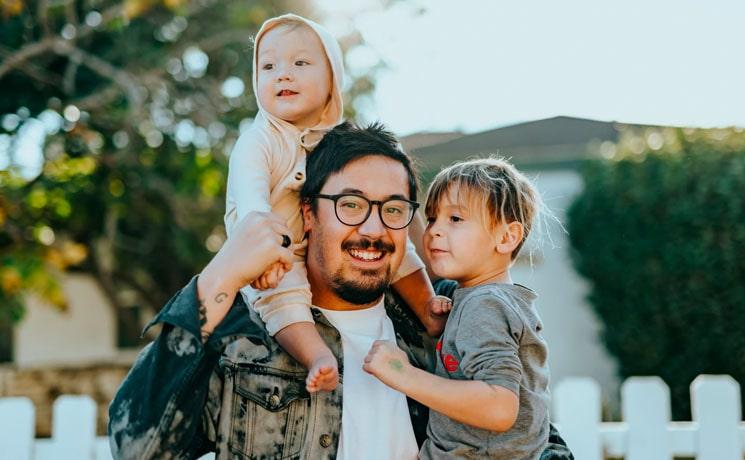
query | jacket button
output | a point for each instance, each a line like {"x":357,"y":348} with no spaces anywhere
{"x":325,"y":440}
{"x":274,"y":400}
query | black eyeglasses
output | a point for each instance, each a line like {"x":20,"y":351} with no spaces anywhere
{"x":353,"y":210}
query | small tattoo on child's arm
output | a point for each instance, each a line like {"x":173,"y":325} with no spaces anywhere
{"x":396,"y":364}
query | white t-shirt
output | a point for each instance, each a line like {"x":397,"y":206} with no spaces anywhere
{"x":375,"y":420}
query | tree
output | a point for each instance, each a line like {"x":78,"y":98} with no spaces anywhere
{"x":113,"y":152}
{"x":659,"y":232}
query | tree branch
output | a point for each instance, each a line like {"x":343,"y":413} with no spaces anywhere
{"x":42,"y":17}
{"x":34,"y":71}
{"x":71,"y":13}
{"x":68,"y":82}
{"x":27,"y":52}
{"x":104,"y":69}
{"x":110,"y":93}
{"x":46,"y":44}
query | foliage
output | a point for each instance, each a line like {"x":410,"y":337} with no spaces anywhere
{"x":113,"y":148}
{"x":659,"y":231}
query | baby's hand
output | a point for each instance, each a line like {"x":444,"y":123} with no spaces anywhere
{"x":271,"y":277}
{"x":387,"y":362}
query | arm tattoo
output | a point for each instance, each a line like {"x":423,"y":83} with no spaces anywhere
{"x":219,"y":298}
{"x":203,"y":320}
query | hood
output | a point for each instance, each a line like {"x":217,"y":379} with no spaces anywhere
{"x":333,"y":113}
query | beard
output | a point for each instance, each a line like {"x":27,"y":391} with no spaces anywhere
{"x":367,"y":290}
{"x":370,"y":284}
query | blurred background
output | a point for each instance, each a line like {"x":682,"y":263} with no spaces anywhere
{"x":117,"y":119}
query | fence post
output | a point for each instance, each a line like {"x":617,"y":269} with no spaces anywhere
{"x":715,"y":405}
{"x":17,"y":428}
{"x":74,"y":427}
{"x":577,"y":405}
{"x":646,"y":408}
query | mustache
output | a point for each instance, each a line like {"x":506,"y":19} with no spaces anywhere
{"x":366,"y":243}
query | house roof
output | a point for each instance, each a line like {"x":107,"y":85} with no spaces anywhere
{"x":420,"y":140}
{"x":552,"y":140}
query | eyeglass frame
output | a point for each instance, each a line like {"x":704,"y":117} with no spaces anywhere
{"x":414,"y":206}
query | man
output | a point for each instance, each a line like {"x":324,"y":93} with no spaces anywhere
{"x":239,"y":393}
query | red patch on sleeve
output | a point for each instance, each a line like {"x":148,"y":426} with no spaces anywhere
{"x":451,"y":364}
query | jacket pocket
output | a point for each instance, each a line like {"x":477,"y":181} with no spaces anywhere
{"x":270,"y":413}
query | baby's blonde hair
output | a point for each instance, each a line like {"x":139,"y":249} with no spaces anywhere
{"x":491,"y":188}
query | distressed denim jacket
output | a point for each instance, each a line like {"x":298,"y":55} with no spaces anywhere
{"x":240,"y":395}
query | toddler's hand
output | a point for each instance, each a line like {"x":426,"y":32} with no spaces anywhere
{"x":387,"y":362}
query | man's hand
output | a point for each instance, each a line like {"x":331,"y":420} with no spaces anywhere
{"x":438,"y":309}
{"x":388,"y":363}
{"x":254,"y":247}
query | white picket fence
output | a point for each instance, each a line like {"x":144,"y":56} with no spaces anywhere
{"x":73,"y":431}
{"x":716,"y":432}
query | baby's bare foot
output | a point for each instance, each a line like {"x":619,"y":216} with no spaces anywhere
{"x":322,"y":375}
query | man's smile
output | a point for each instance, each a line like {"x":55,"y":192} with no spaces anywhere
{"x":366,"y":255}
{"x":367,"y":251}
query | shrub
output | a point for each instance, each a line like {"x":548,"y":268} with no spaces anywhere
{"x":660,"y":236}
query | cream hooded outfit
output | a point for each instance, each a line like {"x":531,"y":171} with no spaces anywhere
{"x":267,"y":171}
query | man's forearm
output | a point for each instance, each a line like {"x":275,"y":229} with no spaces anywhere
{"x":215,"y":299}
{"x":216,"y":290}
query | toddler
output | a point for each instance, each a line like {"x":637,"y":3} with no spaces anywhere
{"x":297,"y":80}
{"x":489,"y":394}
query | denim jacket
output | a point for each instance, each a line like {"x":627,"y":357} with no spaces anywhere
{"x":240,"y":395}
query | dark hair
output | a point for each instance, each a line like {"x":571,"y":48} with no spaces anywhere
{"x":346,"y":143}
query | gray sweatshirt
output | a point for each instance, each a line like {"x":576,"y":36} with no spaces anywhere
{"x":493,"y":334}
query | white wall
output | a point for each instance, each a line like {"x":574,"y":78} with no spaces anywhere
{"x":84,"y":333}
{"x":571,"y":329}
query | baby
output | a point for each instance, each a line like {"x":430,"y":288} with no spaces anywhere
{"x":297,"y":80}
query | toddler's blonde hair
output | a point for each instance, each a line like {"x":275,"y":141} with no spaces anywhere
{"x":491,"y":188}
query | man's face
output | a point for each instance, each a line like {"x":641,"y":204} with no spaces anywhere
{"x":350,"y":266}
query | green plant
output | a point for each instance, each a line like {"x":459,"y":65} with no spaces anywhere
{"x":659,"y":232}
{"x":133,"y":105}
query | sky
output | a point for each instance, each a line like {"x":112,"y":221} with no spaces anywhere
{"x":473,"y":65}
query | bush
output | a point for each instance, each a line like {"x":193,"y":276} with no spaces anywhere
{"x":660,"y":235}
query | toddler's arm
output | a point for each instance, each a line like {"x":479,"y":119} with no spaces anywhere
{"x":486,"y":339}
{"x":472,"y":402}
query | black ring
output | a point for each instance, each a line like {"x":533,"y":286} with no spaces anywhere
{"x":286,"y":241}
